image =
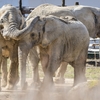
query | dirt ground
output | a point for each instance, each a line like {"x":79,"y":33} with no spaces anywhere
{"x":89,"y":90}
{"x":58,"y":93}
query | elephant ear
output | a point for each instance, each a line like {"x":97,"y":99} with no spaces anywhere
{"x":52,"y":30}
{"x":96,"y":12}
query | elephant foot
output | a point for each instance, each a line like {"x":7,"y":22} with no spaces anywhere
{"x":3,"y":83}
{"x":60,"y":81}
{"x":25,"y":86}
{"x":35,"y":85}
{"x":10,"y":87}
{"x":11,"y":83}
{"x":48,"y":87}
{"x":80,"y":80}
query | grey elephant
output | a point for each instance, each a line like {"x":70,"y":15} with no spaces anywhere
{"x":13,"y":18}
{"x":4,"y":57}
{"x":60,"y":40}
{"x":89,"y":16}
{"x":8,"y":46}
{"x":91,"y":21}
{"x":14,"y":21}
{"x":4,"y":54}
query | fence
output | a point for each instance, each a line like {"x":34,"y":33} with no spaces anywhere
{"x":94,"y":51}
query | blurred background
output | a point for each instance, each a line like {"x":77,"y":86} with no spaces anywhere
{"x":34,"y":3}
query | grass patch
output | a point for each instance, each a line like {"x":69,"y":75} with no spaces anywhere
{"x":92,"y":73}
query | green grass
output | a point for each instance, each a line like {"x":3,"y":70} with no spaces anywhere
{"x":92,"y":73}
{"x":69,"y":72}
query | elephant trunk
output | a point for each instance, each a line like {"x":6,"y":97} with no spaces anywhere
{"x":18,"y":34}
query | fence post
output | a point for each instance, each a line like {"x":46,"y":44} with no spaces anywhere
{"x":76,"y":3}
{"x":63,"y":3}
{"x":20,"y":7}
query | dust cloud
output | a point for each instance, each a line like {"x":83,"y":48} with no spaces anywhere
{"x":89,"y":90}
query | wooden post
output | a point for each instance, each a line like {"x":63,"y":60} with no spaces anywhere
{"x":63,"y":3}
{"x":76,"y":3}
{"x":20,"y":6}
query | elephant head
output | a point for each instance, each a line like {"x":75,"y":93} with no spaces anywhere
{"x":12,"y":21}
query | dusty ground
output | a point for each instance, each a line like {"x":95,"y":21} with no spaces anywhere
{"x":59,"y":93}
{"x":89,"y":90}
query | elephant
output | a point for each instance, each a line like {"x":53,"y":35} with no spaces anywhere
{"x":10,"y":78}
{"x":89,"y":16}
{"x":91,"y":21}
{"x":7,"y":50}
{"x":63,"y":39}
{"x":4,"y":54}
{"x":14,"y":21}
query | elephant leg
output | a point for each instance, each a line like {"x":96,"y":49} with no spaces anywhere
{"x":48,"y":78}
{"x":4,"y":71}
{"x":80,"y":68}
{"x":22,"y":54}
{"x":13,"y":77}
{"x":60,"y":72}
{"x":79,"y":73}
{"x":54,"y":61}
{"x":0,"y":65}
{"x":34,"y":61}
{"x":44,"y":61}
